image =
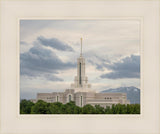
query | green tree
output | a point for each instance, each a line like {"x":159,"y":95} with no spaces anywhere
{"x":71,"y":108}
{"x":130,"y":108}
{"x":78,"y":110}
{"x":122,"y":109}
{"x":25,"y":106}
{"x":40,"y":107}
{"x":114,"y":110}
{"x":136,"y":109}
{"x":99,"y":109}
{"x":55,"y":108}
{"x":88,"y":109}
{"x":108,"y":110}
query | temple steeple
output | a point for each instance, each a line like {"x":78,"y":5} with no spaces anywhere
{"x":81,"y":81}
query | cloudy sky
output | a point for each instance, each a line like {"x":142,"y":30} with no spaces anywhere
{"x":49,"y":50}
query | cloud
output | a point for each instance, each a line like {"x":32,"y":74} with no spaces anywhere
{"x":31,"y":93}
{"x":42,"y":62}
{"x":98,"y":66}
{"x":51,"y":77}
{"x":97,"y":61}
{"x":109,"y":40}
{"x":128,"y":67}
{"x":54,"y":43}
{"x":23,"y":43}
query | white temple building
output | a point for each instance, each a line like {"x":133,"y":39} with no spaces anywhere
{"x":81,"y":92}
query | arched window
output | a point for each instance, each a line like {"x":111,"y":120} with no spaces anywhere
{"x":70,"y":98}
{"x":57,"y":98}
{"x":81,"y":101}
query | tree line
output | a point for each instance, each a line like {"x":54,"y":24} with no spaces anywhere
{"x":42,"y":107}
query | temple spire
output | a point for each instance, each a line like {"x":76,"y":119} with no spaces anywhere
{"x":81,"y":47}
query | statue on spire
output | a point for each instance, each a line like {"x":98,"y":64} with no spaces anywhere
{"x":81,"y":47}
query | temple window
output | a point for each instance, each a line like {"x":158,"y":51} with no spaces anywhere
{"x":70,"y":98}
{"x":57,"y":98}
{"x":81,"y":100}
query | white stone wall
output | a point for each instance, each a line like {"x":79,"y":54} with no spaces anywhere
{"x":102,"y":99}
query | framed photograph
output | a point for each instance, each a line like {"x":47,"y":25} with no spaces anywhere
{"x":80,"y":67}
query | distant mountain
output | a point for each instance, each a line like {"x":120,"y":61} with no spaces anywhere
{"x":133,"y":93}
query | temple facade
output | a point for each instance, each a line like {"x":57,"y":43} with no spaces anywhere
{"x":81,"y":92}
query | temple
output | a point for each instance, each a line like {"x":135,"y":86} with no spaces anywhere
{"x":81,"y":92}
{"x":81,"y":80}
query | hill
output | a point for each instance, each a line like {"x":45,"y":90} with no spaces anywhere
{"x":133,"y":93}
